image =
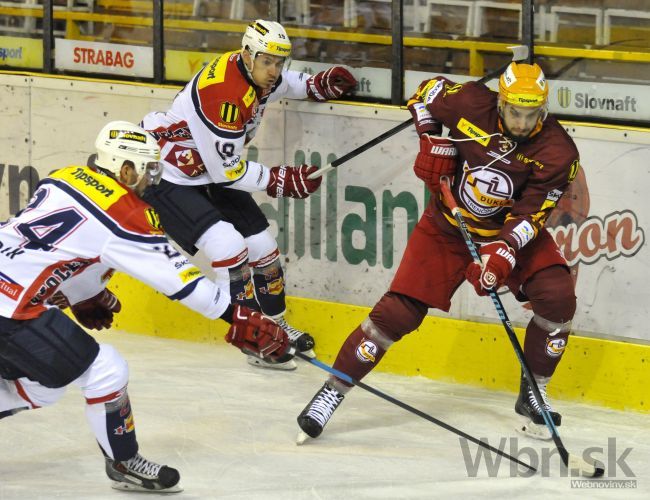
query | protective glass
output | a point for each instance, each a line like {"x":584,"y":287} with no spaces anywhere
{"x":153,"y":172}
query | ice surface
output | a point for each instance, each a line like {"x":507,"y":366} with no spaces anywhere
{"x":230,"y":429}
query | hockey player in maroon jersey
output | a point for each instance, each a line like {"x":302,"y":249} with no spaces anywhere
{"x":204,"y":199}
{"x":510,"y":164}
{"x":80,"y":225}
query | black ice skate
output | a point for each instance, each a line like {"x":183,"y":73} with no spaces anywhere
{"x":317,"y":413}
{"x":527,"y":407}
{"x":139,"y":474}
{"x":302,"y":341}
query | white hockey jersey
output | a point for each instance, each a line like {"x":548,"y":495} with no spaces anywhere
{"x":202,"y":136}
{"x":78,"y":227}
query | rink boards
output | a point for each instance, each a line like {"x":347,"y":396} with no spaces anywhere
{"x":343,"y":244}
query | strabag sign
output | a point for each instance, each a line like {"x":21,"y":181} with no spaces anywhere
{"x":109,"y":58}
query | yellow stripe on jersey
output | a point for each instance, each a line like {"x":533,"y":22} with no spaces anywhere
{"x":100,"y":188}
{"x":573,"y":171}
{"x":215,"y":72}
{"x":471,"y":130}
{"x":486,"y":233}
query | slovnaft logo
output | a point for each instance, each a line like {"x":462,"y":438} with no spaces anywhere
{"x":585,"y":100}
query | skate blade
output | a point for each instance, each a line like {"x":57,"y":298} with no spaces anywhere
{"x":536,"y":431}
{"x":310,"y":353}
{"x":122,"y":486}
{"x":302,"y":437}
{"x":287,"y":365}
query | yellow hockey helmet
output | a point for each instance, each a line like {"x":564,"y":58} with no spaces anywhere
{"x":523,"y":85}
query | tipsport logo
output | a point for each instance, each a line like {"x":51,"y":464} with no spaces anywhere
{"x":11,"y":53}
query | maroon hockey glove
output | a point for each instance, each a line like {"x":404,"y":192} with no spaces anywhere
{"x":96,"y":312}
{"x":498,"y":262}
{"x":256,"y":334}
{"x":330,"y":84}
{"x":292,"y":182}
{"x":437,"y":157}
{"x":59,"y":300}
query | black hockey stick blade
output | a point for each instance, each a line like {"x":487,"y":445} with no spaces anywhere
{"x":343,"y":376}
{"x":519,"y":53}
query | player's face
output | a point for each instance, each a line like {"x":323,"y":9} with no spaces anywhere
{"x":267,"y":70}
{"x":520,"y":121}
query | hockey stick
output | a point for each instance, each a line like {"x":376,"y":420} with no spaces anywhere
{"x":415,"y":411}
{"x":571,"y":461}
{"x":519,"y":53}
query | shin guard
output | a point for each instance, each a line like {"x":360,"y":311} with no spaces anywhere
{"x":544,"y":345}
{"x":268,"y":279}
{"x":241,"y":286}
{"x":112,"y":422}
{"x":360,"y":353}
{"x":552,"y":296}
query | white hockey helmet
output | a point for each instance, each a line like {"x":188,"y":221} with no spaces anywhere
{"x":268,"y":37}
{"x":122,"y":141}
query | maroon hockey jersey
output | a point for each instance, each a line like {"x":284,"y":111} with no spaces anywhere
{"x":505,"y":190}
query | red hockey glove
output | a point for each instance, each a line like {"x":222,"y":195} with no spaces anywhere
{"x":292,"y":182}
{"x":254,"y":333}
{"x":498,"y":262}
{"x":96,"y":312}
{"x":437,"y":157}
{"x":330,"y":84}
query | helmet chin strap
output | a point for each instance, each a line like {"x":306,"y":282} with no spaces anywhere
{"x":249,"y":71}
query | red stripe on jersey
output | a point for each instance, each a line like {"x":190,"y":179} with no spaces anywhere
{"x":265,"y":260}
{"x":231,"y":262}
{"x":105,"y":399}
{"x":23,"y":394}
{"x":45,"y":284}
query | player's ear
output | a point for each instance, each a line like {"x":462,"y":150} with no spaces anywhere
{"x":126,"y":167}
{"x":248,"y":59}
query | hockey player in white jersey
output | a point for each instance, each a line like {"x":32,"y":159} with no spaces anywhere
{"x":204,"y":198}
{"x":80,"y":225}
